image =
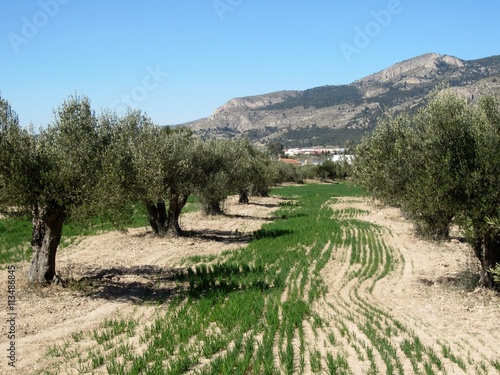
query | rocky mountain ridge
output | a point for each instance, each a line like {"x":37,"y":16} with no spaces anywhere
{"x":336,"y":114}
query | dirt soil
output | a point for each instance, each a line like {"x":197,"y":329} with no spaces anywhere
{"x":113,"y":273}
{"x":432,"y":290}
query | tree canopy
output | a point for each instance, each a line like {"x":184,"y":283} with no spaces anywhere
{"x":441,"y":166}
{"x":52,"y":174}
{"x":83,"y":165}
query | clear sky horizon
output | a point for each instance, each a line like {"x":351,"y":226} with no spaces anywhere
{"x":180,"y":60}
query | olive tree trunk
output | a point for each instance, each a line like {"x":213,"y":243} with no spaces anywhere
{"x":488,"y":252}
{"x":157,"y":216}
{"x":175,"y":206}
{"x":47,"y":231}
{"x":165,"y":221}
{"x":243,"y":197}
{"x":213,"y":207}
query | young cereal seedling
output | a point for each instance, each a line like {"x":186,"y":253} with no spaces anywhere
{"x":337,"y":365}
{"x":496,"y":364}
{"x":315,"y":358}
{"x":77,"y":336}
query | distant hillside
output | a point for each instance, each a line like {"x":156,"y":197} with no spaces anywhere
{"x":336,"y":114}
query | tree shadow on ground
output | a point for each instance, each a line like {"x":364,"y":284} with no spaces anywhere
{"x":158,"y":285}
{"x":237,"y":237}
{"x":267,"y":205}
{"x":248,"y":217}
{"x":228,"y":277}
{"x":136,"y":284}
{"x":223,"y":236}
{"x":271,"y":233}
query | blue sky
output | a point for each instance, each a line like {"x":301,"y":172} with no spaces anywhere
{"x":180,"y":60}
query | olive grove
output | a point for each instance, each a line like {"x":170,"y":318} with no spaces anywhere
{"x":83,"y":165}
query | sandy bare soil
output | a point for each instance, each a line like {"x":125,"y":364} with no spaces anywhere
{"x":431,"y":291}
{"x":114,"y":273}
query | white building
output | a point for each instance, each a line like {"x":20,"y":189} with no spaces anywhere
{"x":342,"y":158}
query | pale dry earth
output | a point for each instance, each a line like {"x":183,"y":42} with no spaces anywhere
{"x":117,"y":272}
{"x":431,"y":290}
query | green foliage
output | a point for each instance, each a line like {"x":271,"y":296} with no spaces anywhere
{"x":286,"y":173}
{"x":224,"y":167}
{"x":17,"y":161}
{"x":15,"y":235}
{"x":134,"y":159}
{"x":382,"y":160}
{"x":318,"y":136}
{"x":423,"y":163}
{"x":320,"y":97}
{"x":59,"y":167}
{"x":496,"y":273}
{"x":214,"y":161}
{"x":276,"y":149}
{"x":148,"y":164}
{"x":329,"y":170}
{"x":441,"y":165}
{"x":138,"y":159}
{"x":443,"y":158}
{"x":68,"y":158}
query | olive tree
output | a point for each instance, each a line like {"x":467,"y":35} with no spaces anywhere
{"x":441,"y":166}
{"x":250,"y":172}
{"x":383,"y":160}
{"x":52,"y":175}
{"x":276,"y":150}
{"x":481,"y":216}
{"x":264,"y":173}
{"x":224,"y":167}
{"x":214,"y":160}
{"x":151,"y":165}
{"x":442,"y":158}
{"x":329,"y":170}
{"x":132,"y":167}
{"x":421,"y":163}
{"x":179,"y":164}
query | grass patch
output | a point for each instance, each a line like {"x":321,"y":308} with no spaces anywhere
{"x":15,"y":236}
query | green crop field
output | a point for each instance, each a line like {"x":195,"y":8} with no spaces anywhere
{"x":296,"y":300}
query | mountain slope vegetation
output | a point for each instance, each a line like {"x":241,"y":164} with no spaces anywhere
{"x":336,"y":114}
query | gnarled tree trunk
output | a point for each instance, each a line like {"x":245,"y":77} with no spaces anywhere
{"x":175,"y":206}
{"x":213,"y":207}
{"x":165,"y":220}
{"x":157,"y":216}
{"x":243,"y":197}
{"x":488,"y":252}
{"x":47,"y":231}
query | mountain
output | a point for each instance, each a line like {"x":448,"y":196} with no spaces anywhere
{"x":336,"y":114}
